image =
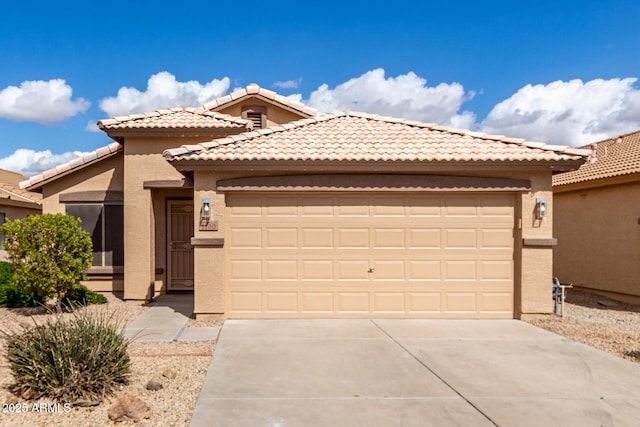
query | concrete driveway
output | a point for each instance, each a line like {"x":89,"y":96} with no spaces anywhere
{"x":412,"y":373}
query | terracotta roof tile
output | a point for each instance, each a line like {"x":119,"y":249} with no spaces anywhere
{"x":86,"y":159}
{"x":174,"y":118}
{"x":351,"y":136}
{"x":612,"y":157}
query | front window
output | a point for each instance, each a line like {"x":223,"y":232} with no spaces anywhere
{"x":105,"y":224}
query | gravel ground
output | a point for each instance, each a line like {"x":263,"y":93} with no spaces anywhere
{"x":600,"y":322}
{"x":591,"y":319}
{"x":170,"y":406}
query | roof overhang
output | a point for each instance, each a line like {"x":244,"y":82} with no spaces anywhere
{"x":378,"y":182}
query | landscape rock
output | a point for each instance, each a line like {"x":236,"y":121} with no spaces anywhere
{"x":154,"y":385}
{"x":130,"y":407}
{"x":85,"y":403}
{"x":169,"y":373}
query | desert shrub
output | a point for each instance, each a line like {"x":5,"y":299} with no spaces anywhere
{"x":81,"y":357}
{"x":50,"y":254}
{"x":82,"y":295}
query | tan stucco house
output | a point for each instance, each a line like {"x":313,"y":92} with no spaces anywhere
{"x":597,"y":220}
{"x":265,"y":208}
{"x":15,"y":203}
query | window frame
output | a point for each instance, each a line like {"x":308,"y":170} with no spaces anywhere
{"x":103,"y":233}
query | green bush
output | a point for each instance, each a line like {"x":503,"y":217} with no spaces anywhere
{"x":6,"y":272}
{"x":83,"y":357}
{"x":12,"y":296}
{"x":82,"y":295}
{"x":50,"y":254}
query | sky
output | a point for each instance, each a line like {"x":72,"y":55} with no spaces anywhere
{"x":560,"y":72}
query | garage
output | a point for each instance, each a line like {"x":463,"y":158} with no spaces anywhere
{"x":369,"y":254}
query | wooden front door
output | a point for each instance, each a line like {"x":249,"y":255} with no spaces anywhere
{"x":180,"y":251}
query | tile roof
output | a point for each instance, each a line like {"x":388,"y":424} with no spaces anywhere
{"x":612,"y":157}
{"x":9,"y":188}
{"x":204,"y":117}
{"x":77,"y":163}
{"x":176,"y":118}
{"x":350,"y":136}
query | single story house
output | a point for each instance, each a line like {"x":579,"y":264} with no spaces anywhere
{"x":597,"y":220}
{"x":15,"y":203}
{"x":265,"y":208}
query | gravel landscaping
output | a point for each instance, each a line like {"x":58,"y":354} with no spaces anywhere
{"x":181,"y":366}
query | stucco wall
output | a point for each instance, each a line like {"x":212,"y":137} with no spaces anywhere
{"x":598,"y":233}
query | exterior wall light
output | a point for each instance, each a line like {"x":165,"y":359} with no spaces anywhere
{"x":205,"y":211}
{"x":540,"y":211}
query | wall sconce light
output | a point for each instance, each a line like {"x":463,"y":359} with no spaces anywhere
{"x":205,"y":211}
{"x":540,"y":211}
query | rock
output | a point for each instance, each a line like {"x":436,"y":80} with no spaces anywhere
{"x":85,"y":403}
{"x":129,"y":407}
{"x":169,"y":373}
{"x":12,"y":400}
{"x":154,"y":385}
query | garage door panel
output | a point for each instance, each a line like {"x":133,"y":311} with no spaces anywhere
{"x":282,"y":302}
{"x":245,"y":237}
{"x":389,"y":302}
{"x":464,"y":238}
{"x":317,"y":269}
{"x":278,"y":270}
{"x":353,"y":238}
{"x":425,"y":238}
{"x":389,"y":238}
{"x":317,"y":238}
{"x":353,"y":302}
{"x":353,"y":269}
{"x":310,"y":255}
{"x":281,"y":238}
{"x":385,"y":270}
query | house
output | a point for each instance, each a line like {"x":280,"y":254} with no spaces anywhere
{"x":265,"y":208}
{"x":597,"y":220}
{"x":15,"y":203}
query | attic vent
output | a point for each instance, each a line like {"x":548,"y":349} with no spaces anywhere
{"x":257,"y":114}
{"x":256,"y":118}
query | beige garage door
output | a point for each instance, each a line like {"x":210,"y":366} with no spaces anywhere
{"x":369,"y":255}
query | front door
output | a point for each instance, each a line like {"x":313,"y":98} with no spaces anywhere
{"x":180,"y":251}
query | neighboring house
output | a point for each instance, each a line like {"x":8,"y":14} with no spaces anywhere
{"x":597,"y":220}
{"x":265,"y":208}
{"x":15,"y":203}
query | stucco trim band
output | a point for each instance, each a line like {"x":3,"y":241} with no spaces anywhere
{"x":207,"y":242}
{"x":92,"y":196}
{"x":541,"y":243}
{"x":369,"y":182}
{"x":167,"y":184}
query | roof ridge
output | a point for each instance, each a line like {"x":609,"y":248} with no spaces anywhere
{"x":255,"y":89}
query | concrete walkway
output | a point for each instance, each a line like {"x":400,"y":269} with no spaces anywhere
{"x":165,"y":320}
{"x":412,"y":373}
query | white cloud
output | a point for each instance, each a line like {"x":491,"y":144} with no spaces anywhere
{"x":29,"y":162}
{"x":289,"y":84}
{"x":163,"y":91}
{"x":92,"y":126}
{"x":405,"y":96}
{"x":44,"y":102}
{"x":568,"y":113}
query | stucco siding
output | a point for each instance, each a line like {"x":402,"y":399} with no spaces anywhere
{"x":598,"y":233}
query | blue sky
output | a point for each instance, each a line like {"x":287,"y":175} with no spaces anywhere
{"x":562,"y":72}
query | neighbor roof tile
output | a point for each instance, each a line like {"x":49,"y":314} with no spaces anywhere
{"x":612,"y":157}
